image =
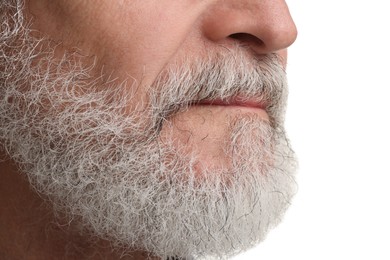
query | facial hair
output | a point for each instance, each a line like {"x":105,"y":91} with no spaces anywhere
{"x":81,"y":148}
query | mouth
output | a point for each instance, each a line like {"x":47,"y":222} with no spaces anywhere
{"x":235,"y":102}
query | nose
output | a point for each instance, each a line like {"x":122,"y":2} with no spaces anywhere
{"x":266,"y":26}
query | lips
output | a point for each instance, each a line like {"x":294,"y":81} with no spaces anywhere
{"x":236,"y":102}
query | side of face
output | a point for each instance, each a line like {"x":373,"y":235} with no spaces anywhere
{"x":139,"y":39}
{"x":171,"y":109}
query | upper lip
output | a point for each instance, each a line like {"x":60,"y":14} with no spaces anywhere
{"x":235,"y":101}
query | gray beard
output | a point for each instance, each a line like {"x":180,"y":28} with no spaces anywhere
{"x":107,"y":167}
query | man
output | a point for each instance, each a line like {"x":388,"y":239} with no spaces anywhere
{"x":143,"y":128}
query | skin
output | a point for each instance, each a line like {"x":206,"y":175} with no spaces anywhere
{"x":136,"y":38}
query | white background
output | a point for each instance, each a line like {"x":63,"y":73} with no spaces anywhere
{"x":339,"y":123}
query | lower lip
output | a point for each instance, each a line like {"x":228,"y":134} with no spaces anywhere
{"x":247,"y":107}
{"x":233,"y":103}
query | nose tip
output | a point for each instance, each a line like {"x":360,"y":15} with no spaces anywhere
{"x":274,"y":36}
{"x":266,"y":26}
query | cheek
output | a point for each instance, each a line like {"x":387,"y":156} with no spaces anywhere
{"x":140,"y":45}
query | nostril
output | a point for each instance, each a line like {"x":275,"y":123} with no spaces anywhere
{"x":247,"y":38}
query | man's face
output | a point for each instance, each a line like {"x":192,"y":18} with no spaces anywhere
{"x":158,"y":124}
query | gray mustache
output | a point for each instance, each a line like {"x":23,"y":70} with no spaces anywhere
{"x":220,"y":77}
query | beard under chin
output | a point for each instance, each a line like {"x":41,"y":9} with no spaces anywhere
{"x":109,"y":168}
{"x":149,"y":196}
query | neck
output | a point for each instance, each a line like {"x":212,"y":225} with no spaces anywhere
{"x":29,"y":230}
